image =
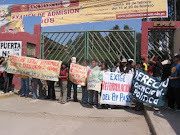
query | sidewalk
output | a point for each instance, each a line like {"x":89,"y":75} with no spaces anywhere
{"x":6,"y":95}
{"x":163,"y":121}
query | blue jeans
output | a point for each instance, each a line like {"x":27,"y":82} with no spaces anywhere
{"x":35,"y":83}
{"x":25,"y":86}
{"x":93,"y":97}
{"x":84,"y":94}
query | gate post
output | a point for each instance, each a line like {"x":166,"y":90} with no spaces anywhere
{"x":41,"y":46}
{"x":144,"y":41}
{"x":86,"y":44}
{"x":135,"y":51}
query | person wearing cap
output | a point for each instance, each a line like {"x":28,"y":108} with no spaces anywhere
{"x":131,"y":66}
{"x":174,"y":84}
{"x":144,"y":63}
{"x":70,"y":84}
{"x":123,"y":67}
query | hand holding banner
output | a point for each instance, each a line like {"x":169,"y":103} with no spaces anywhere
{"x":78,"y":74}
{"x":147,"y":89}
{"x":116,"y":89}
{"x":36,"y":68}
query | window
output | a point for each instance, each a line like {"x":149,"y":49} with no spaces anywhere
{"x":31,"y":50}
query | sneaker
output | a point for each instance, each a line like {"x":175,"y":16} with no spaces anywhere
{"x":2,"y":92}
{"x":63,"y":102}
{"x":10,"y":91}
{"x":34,"y":97}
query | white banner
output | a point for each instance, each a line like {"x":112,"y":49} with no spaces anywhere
{"x":116,"y":89}
{"x":10,"y":48}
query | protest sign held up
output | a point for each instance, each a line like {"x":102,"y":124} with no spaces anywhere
{"x":94,"y":80}
{"x":78,"y":74}
{"x":116,"y":89}
{"x":147,"y":89}
{"x":36,"y":68}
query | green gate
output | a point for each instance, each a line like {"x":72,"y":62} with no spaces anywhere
{"x":109,"y":46}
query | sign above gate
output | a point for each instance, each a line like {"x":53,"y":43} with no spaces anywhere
{"x":82,"y":11}
{"x":164,"y":24}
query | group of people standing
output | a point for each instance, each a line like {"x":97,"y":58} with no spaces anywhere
{"x":157,"y":67}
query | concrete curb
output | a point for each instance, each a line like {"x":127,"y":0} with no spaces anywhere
{"x":6,"y":95}
{"x":157,"y":125}
{"x":149,"y":122}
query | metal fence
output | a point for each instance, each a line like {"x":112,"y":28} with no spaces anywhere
{"x":160,"y":42}
{"x":109,"y":46}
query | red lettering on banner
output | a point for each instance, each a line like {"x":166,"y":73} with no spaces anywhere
{"x":13,"y":63}
{"x":32,"y":66}
{"x":77,"y":81}
{"x":22,"y":59}
{"x":32,"y":61}
{"x":50,"y":63}
{"x":53,"y":69}
{"x":115,"y":87}
{"x":14,"y":58}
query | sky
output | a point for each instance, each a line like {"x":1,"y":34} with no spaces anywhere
{"x":29,"y":22}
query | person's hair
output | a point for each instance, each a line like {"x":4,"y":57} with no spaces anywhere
{"x":141,"y":64}
{"x":77,"y":59}
{"x":142,"y":59}
{"x":115,"y":63}
{"x":87,"y":61}
{"x":64,"y":63}
{"x":130,"y":62}
{"x":94,"y":60}
{"x":106,"y":65}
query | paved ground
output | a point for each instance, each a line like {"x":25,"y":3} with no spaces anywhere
{"x":22,"y":116}
{"x":6,"y":95}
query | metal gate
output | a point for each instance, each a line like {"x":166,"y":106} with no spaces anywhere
{"x":109,"y":46}
{"x":160,"y":42}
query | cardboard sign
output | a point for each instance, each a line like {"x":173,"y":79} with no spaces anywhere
{"x":94,"y":80}
{"x":78,"y":74}
{"x":147,"y":89}
{"x":116,"y":89}
{"x":36,"y":68}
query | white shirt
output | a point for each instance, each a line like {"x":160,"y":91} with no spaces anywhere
{"x":131,"y":71}
{"x":117,"y":70}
